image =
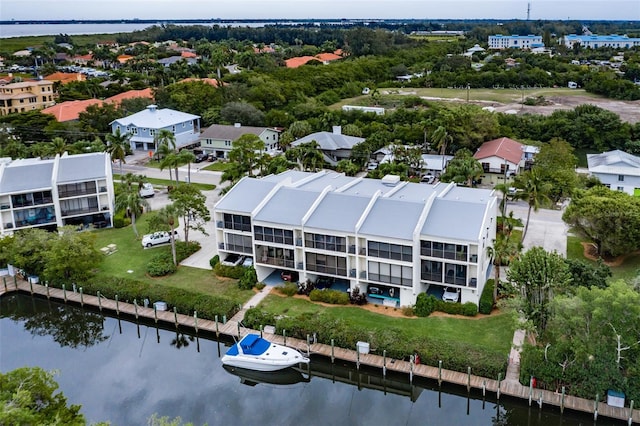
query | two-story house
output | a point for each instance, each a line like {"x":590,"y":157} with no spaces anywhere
{"x":617,"y":170}
{"x":66,"y":190}
{"x":334,"y":145}
{"x":501,"y":160}
{"x":143,"y":126}
{"x":385,"y":237}
{"x":218,"y":139}
{"x":26,"y":96}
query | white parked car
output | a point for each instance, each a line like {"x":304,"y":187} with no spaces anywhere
{"x":160,"y":237}
{"x":147,"y":190}
{"x":451,"y":294}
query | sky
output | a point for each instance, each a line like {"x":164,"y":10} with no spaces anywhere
{"x":323,"y":9}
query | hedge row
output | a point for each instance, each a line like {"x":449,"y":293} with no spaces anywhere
{"x":185,"y":301}
{"x":162,"y":263}
{"x":427,"y":303}
{"x":235,"y":272}
{"x":454,"y":355}
{"x":333,"y":297}
{"x":486,"y":298}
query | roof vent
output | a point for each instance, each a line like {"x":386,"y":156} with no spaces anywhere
{"x":152,"y":108}
{"x":391,"y":180}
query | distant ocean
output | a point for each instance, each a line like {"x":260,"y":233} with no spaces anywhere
{"x":24,"y":30}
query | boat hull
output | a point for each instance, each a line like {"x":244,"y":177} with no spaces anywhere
{"x":270,"y":356}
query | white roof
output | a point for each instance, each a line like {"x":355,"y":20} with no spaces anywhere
{"x":154,"y":118}
{"x":614,"y":162}
{"x":330,"y":141}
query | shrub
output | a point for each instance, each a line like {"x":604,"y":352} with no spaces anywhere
{"x":214,"y":261}
{"x":255,"y":317}
{"x":118,"y":220}
{"x":260,"y":285}
{"x":229,"y":271}
{"x":425,"y":304}
{"x":248,"y":280}
{"x":289,"y":289}
{"x":184,"y":250}
{"x":470,"y":309}
{"x":486,"y":298}
{"x":408,"y":311}
{"x":334,"y":297}
{"x":161,"y":265}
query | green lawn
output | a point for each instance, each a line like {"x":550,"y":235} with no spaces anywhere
{"x":166,"y":182}
{"x":217,"y":166}
{"x":628,"y":270}
{"x":391,"y":96}
{"x":131,"y":256}
{"x":494,"y":332}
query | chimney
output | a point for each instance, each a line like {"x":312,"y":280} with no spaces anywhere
{"x":337,"y":130}
{"x":237,"y":125}
{"x":152,"y":108}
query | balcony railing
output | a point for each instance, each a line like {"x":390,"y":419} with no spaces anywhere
{"x":300,"y":265}
{"x":363,"y":275}
{"x":239,"y":248}
{"x":277,"y":261}
{"x":221,"y":246}
{"x":76,"y":192}
{"x":455,"y":280}
{"x":74,"y":212}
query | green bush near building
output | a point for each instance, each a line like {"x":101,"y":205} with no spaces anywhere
{"x":486,"y":298}
{"x":333,"y":297}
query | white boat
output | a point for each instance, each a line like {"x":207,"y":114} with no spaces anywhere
{"x":253,"y":352}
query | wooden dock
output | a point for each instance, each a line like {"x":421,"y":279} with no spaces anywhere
{"x":233,"y":329}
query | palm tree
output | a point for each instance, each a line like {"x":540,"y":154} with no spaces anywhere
{"x":117,"y":146}
{"x":534,"y":191}
{"x":188,"y":157}
{"x":166,"y":137}
{"x":58,"y":146}
{"x":169,"y":215}
{"x":170,"y":161}
{"x":441,"y":139}
{"x":503,"y":251}
{"x":504,"y":189}
{"x":462,"y":169}
{"x":129,"y":198}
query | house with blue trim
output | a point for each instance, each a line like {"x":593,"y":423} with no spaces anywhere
{"x":499,"y":41}
{"x":144,"y":126}
{"x":594,"y":41}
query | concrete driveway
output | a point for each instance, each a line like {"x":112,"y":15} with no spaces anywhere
{"x":546,"y":227}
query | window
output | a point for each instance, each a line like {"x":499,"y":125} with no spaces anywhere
{"x":390,"y":251}
{"x":620,"y":188}
{"x":237,"y":222}
{"x":273,"y":235}
{"x":325,"y":242}
{"x":173,"y":129}
{"x":620,"y":178}
{"x":134,"y":130}
{"x":152,"y":132}
{"x":241,"y":243}
{"x":334,"y":265}
{"x":456,"y":274}
{"x":431,"y":270}
{"x":444,"y":250}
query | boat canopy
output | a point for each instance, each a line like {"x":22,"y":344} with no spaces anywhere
{"x":252,"y":344}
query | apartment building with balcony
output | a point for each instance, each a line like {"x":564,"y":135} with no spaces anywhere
{"x":26,"y":96}
{"x":499,"y":41}
{"x":66,"y":190}
{"x":395,"y":239}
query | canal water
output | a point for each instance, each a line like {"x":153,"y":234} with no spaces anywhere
{"x":125,"y":372}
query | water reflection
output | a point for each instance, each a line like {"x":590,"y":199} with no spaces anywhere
{"x":124,"y":372}
{"x":288,"y":376}
{"x":68,"y":327}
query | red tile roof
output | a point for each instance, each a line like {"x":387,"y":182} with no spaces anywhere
{"x":298,"y":61}
{"x":328,"y":57}
{"x":70,"y":110}
{"x":504,"y":148}
{"x":187,"y":54}
{"x":64,"y":77}
{"x":124,"y":58}
{"x":131,"y":94}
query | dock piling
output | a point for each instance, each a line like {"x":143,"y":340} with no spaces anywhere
{"x":308,"y":345}
{"x":562,"y":401}
{"x":4,"y":281}
{"x":175,"y":315}
{"x":333,"y":358}
{"x":357,"y":358}
{"x":284,"y":337}
{"x":64,"y":293}
{"x":217,"y":329}
{"x":117,"y":306}
{"x":261,"y":328}
{"x":484,"y":388}
{"x":499,"y":381}
{"x":530,"y":389}
{"x":384,"y":363}
{"x":195,"y":320}
{"x":540,"y":400}
{"x":630,"y":413}
{"x":224,"y":319}
{"x":155,"y":313}
{"x":595,"y":407}
{"x":30,"y":285}
{"x":46,"y":285}
{"x":468,"y":379}
{"x":135,"y":306}
{"x":439,"y":372}
{"x":99,"y":301}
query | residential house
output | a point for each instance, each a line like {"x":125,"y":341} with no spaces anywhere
{"x":211,"y":81}
{"x":617,"y":170}
{"x":218,"y":139}
{"x":432,"y":164}
{"x":130,"y":94}
{"x":499,"y":41}
{"x":389,"y":239}
{"x":26,"y":96}
{"x":501,"y":159}
{"x":70,"y":110}
{"x":66,"y":77}
{"x":66,"y":190}
{"x":167,"y":62}
{"x":325,"y":58}
{"x":145,"y":125}
{"x":375,"y":110}
{"x":334,"y":145}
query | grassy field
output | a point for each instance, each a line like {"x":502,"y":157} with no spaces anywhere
{"x":390,"y":96}
{"x":629,"y":269}
{"x":217,"y":166}
{"x":131,"y":256}
{"x":18,"y":43}
{"x":166,"y":182}
{"x":494,"y":332}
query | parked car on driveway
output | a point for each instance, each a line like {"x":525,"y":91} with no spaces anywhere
{"x":160,"y":237}
{"x":451,"y":294}
{"x":147,"y":190}
{"x":291,"y":276}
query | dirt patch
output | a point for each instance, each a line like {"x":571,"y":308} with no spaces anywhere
{"x":590,"y":252}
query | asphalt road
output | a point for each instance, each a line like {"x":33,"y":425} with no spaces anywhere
{"x":546,"y":228}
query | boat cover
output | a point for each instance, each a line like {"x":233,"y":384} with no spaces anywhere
{"x":252,"y":344}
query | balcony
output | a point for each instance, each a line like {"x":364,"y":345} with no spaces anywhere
{"x":75,"y":212}
{"x":352,"y":249}
{"x":363,"y":251}
{"x":474,"y":258}
{"x":363,"y":275}
{"x":76,"y":192}
{"x":278,"y":261}
{"x":299,"y":242}
{"x":300,"y":265}
{"x":450,"y":279}
{"x":352,"y":273}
